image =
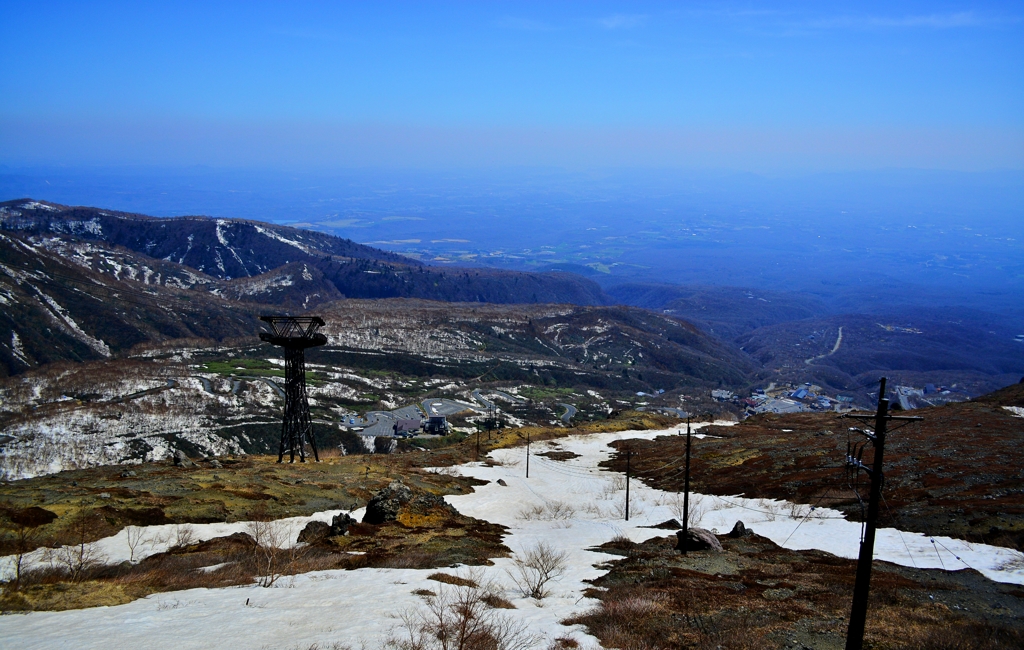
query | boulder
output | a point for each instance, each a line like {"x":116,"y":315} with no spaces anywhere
{"x":398,"y":503}
{"x":698,"y":539}
{"x":340,"y":524}
{"x":671,"y":524}
{"x":739,"y":530}
{"x":315,"y":531}
{"x":181,"y":460}
{"x":384,"y":505}
{"x":502,"y":482}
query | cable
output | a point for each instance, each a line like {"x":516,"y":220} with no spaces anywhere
{"x":895,"y":519}
{"x":806,"y":517}
{"x":953,"y":554}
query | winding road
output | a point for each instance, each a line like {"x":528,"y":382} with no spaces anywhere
{"x":835,"y":348}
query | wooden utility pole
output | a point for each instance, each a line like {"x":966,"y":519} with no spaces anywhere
{"x":527,"y":454}
{"x":629,"y":453}
{"x":861,"y":589}
{"x":686,"y":489}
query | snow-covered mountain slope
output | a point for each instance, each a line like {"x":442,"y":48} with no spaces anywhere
{"x":65,"y":302}
{"x":221,"y":248}
{"x":231,"y":248}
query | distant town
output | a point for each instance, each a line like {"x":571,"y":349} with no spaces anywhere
{"x":799,"y":398}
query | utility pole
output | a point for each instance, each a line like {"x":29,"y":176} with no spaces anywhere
{"x":492,"y":419}
{"x":859,"y":611}
{"x":478,"y":444}
{"x":686,"y":489}
{"x":527,"y":454}
{"x":629,"y":453}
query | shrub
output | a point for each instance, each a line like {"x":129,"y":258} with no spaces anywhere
{"x":533,"y":569}
{"x":458,"y":618}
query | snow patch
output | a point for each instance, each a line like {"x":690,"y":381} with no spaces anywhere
{"x":221,"y":223}
{"x":17,"y":349}
{"x":63,"y":317}
{"x":36,"y":205}
{"x":283,"y":240}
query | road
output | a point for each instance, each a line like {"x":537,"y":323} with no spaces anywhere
{"x":488,"y":404}
{"x":382,"y":423}
{"x":236,"y":384}
{"x":835,"y":348}
{"x":511,"y":398}
{"x":570,"y":411}
{"x":441,"y":406}
{"x":379,"y":423}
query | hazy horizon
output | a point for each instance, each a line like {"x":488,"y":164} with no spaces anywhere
{"x":862,"y":145}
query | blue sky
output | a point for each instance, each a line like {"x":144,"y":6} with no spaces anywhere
{"x":750,"y":86}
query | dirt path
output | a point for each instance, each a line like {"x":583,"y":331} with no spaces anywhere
{"x":835,"y":348}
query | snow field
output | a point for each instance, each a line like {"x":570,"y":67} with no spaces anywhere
{"x":569,"y":505}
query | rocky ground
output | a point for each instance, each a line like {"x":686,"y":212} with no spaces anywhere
{"x":414,"y":528}
{"x":958,"y":473}
{"x":754,"y":594}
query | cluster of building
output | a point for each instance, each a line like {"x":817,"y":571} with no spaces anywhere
{"x":910,"y":397}
{"x":799,"y":398}
{"x":787,"y":398}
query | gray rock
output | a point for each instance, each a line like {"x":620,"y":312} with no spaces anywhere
{"x":384,"y":505}
{"x":502,"y":482}
{"x":698,"y":539}
{"x":104,"y":495}
{"x":215,"y":464}
{"x":128,"y":474}
{"x":340,"y":524}
{"x":671,"y":524}
{"x":181,"y":460}
{"x":739,"y":530}
{"x":427,"y":502}
{"x":315,"y":531}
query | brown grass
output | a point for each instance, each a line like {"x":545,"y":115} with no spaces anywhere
{"x":756,"y":595}
{"x":449,"y":579}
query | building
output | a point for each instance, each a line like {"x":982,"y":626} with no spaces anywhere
{"x":437,"y":424}
{"x":407,"y":426}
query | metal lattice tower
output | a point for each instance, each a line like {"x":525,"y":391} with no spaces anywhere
{"x":295,"y":334}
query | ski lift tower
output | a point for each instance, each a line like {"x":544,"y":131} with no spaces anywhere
{"x":295,"y":334}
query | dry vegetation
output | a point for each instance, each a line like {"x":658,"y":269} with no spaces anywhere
{"x":958,"y":473}
{"x":757,"y":595}
{"x":66,"y":512}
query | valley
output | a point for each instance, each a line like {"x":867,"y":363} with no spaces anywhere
{"x":127,"y":338}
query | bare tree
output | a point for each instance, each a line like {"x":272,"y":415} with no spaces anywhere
{"x":81,"y":554}
{"x":269,"y":554}
{"x":25,"y":539}
{"x":533,"y":569}
{"x":183,"y":535}
{"x":136,"y":538}
{"x":458,"y":618}
{"x":696,"y":511}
